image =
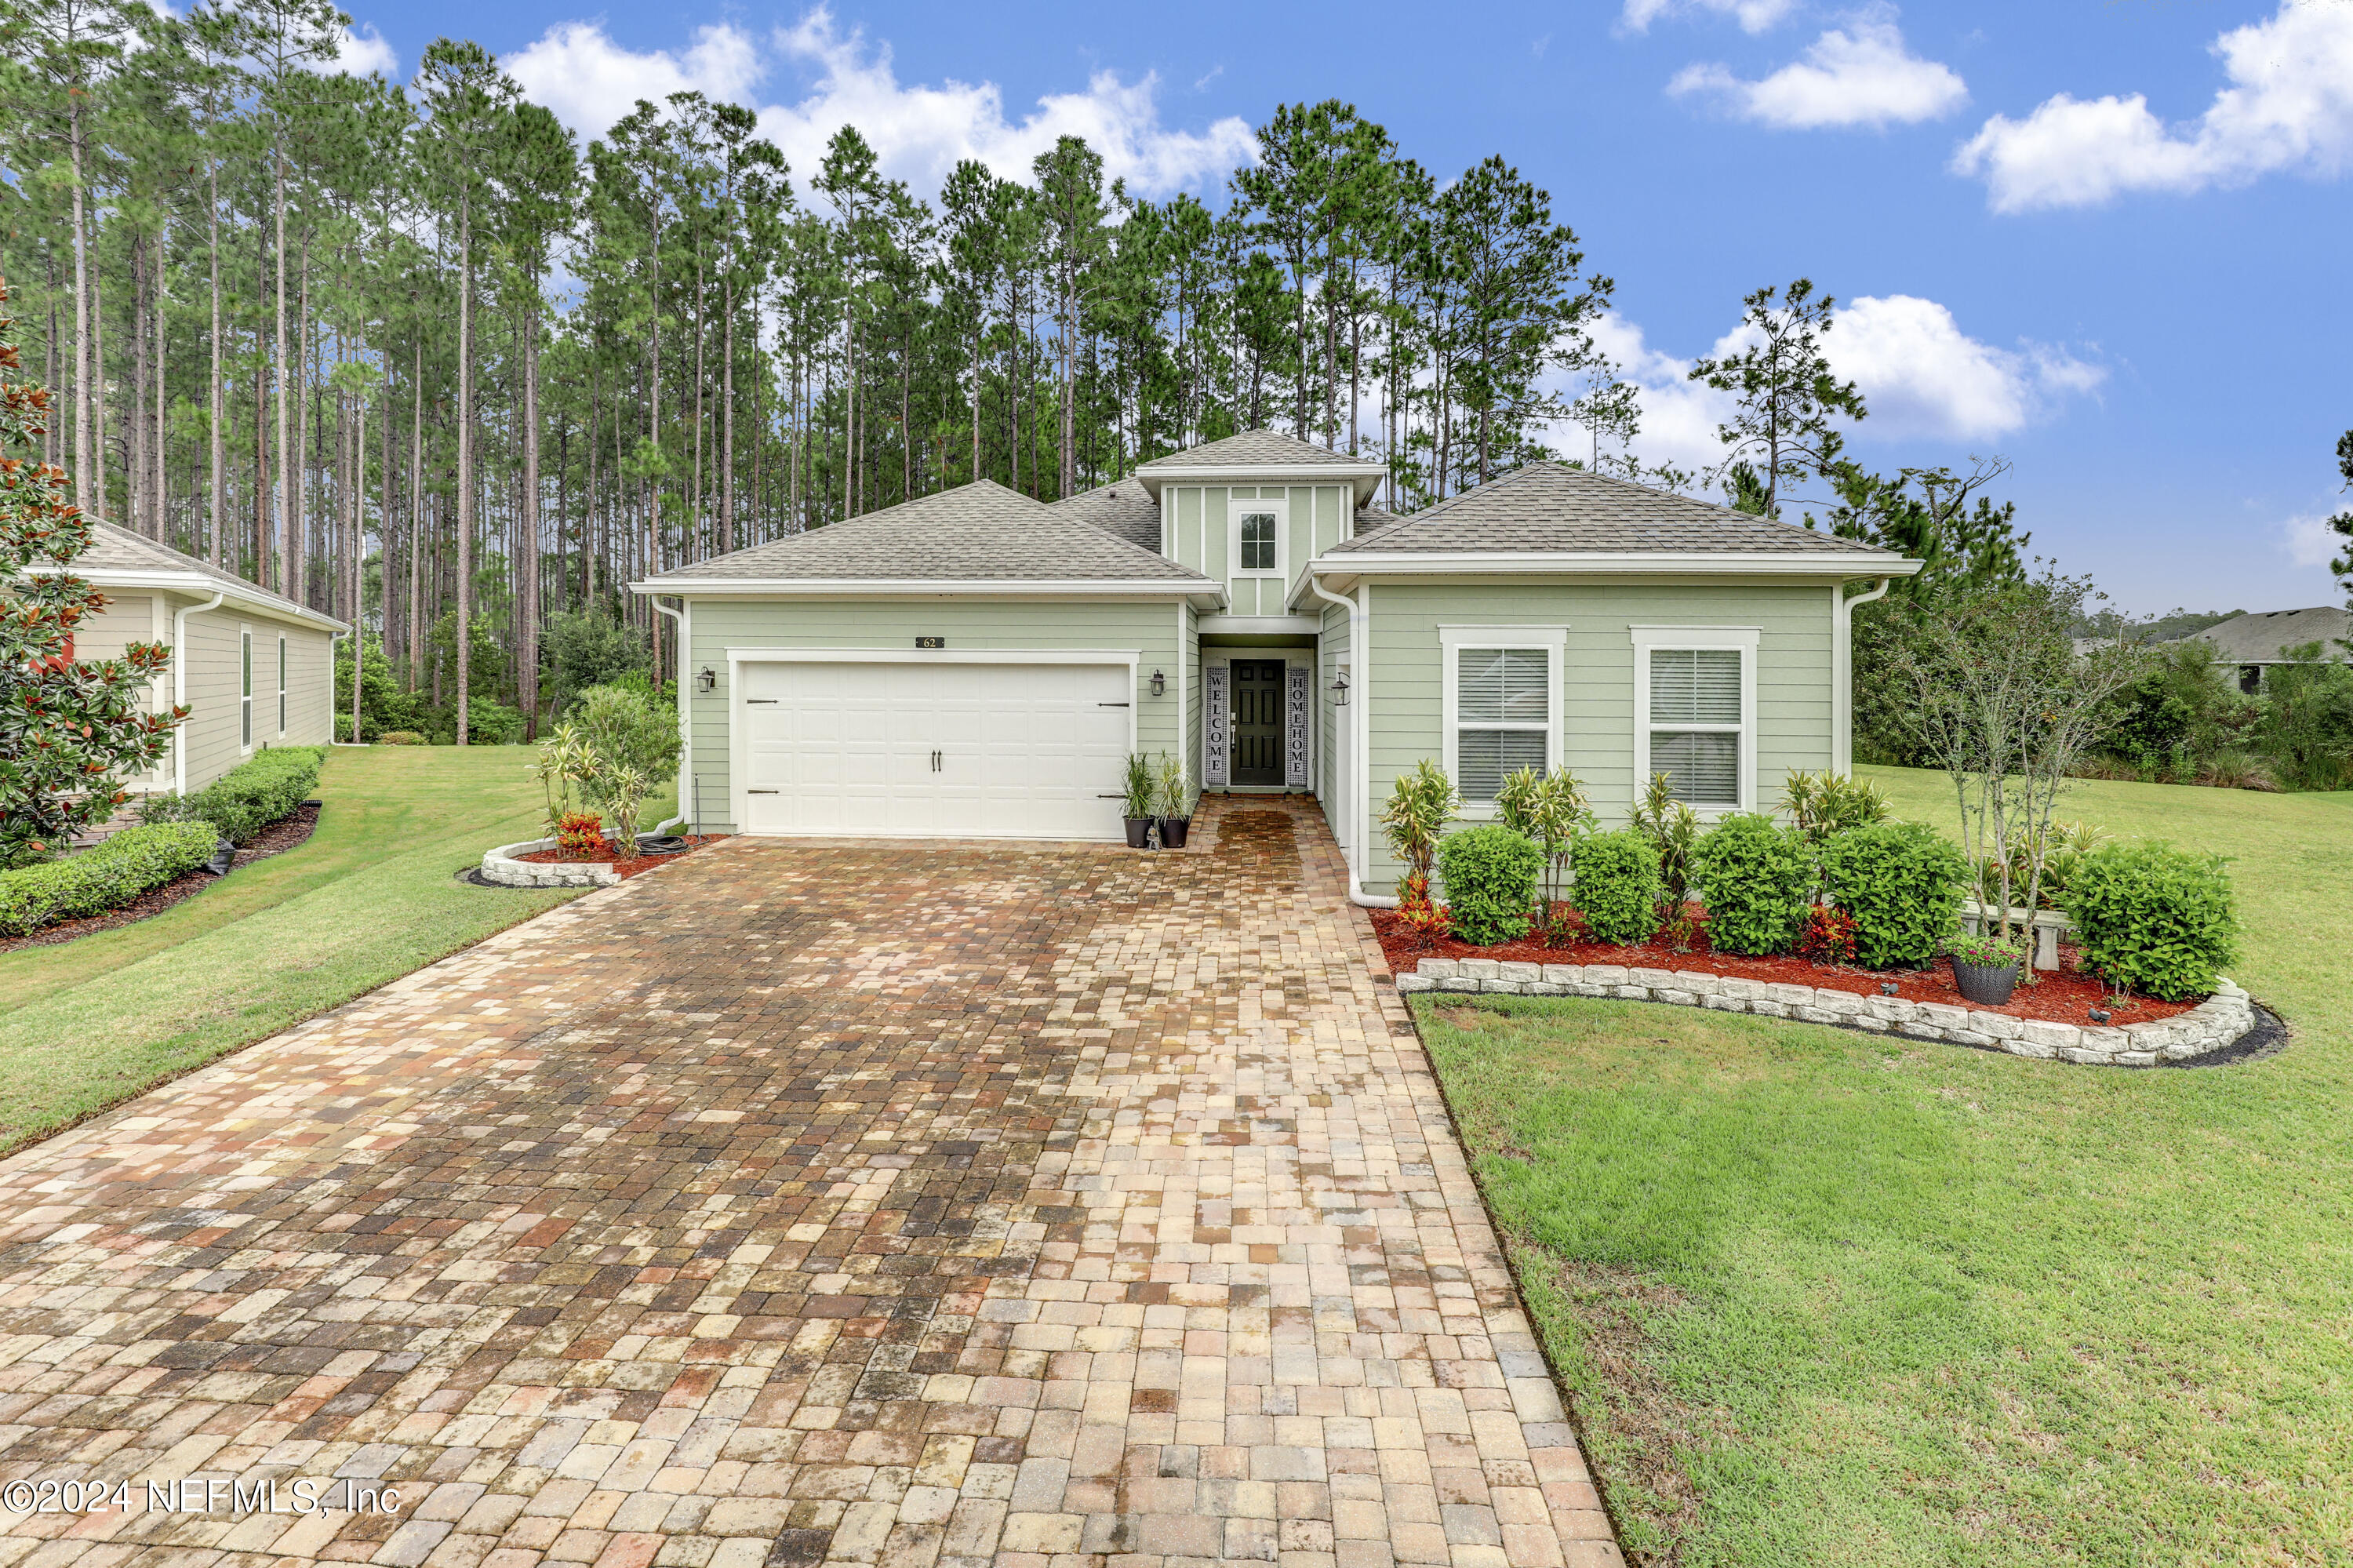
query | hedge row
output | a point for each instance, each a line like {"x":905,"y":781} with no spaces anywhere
{"x":105,"y":876}
{"x":247,"y":797}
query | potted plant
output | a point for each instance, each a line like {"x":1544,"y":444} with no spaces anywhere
{"x":1138,"y":788}
{"x":1172,"y":801}
{"x":1985,"y":968}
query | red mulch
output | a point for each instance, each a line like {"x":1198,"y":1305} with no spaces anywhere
{"x":276,"y":839}
{"x":628,"y":868}
{"x":2064,"y":995}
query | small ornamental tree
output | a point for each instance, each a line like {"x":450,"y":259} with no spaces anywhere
{"x":69,"y":728}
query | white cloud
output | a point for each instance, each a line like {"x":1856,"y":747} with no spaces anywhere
{"x":1857,"y":75}
{"x":918,"y":131}
{"x":588,"y":81}
{"x":363,"y":51}
{"x":1754,"y":15}
{"x":1921,"y":377}
{"x":2289,"y":107}
{"x":2308,"y":539}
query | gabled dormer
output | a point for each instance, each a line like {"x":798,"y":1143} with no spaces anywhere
{"x":1252,"y":510}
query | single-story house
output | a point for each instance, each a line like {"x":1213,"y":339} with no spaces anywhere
{"x":254,"y":668}
{"x":2249,"y":643}
{"x":977,"y":664}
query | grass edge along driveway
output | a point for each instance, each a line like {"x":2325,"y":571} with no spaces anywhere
{"x":1826,"y":1298}
{"x":372,"y":895}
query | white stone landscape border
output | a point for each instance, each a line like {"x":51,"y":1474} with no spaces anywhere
{"x":2214,"y":1023}
{"x":500,"y":865}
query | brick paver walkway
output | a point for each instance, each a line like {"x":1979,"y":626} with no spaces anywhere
{"x":883,"y":1205}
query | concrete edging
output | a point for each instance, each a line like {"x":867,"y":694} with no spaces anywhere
{"x":500,"y":865}
{"x":2214,"y":1023}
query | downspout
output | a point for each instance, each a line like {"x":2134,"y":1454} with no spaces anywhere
{"x":1844,"y":739}
{"x":1360,"y":652}
{"x":685,"y":730}
{"x":180,"y":687}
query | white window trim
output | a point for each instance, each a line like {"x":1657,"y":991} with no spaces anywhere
{"x":282,"y":685}
{"x":1235,"y":508}
{"x":1454,"y":640}
{"x":244,"y":688}
{"x":1651,"y":639}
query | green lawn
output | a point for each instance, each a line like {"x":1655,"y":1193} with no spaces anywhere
{"x":1827,"y":1298}
{"x":369,"y":897}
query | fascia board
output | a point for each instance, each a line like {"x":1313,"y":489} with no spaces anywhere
{"x":195,"y":583}
{"x":1355,"y":474}
{"x":901,"y":587}
{"x":1583,"y":562}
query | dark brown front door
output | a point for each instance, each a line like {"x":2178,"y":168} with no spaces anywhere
{"x":1258,"y":721}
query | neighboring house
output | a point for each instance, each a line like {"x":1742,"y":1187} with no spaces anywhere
{"x":255,"y":669}
{"x":975,"y":664}
{"x":2251,"y":642}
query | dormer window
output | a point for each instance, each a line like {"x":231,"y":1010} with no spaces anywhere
{"x":1258,"y":541}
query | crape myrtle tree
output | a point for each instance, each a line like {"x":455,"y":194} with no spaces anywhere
{"x":69,"y":728}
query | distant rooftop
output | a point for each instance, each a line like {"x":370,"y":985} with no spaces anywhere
{"x":2261,"y":637}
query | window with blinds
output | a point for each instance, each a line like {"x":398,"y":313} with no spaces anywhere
{"x":1503,"y":714}
{"x":1695,"y":722}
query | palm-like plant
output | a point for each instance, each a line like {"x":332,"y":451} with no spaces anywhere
{"x":1673,"y":826}
{"x":1421,"y":803}
{"x":1552,"y":809}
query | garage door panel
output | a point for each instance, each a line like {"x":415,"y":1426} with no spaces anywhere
{"x":848,"y":746}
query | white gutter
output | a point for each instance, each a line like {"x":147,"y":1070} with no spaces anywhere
{"x":180,"y":687}
{"x":1842,"y":741}
{"x":770,"y":588}
{"x":197,"y":583}
{"x":685,"y":728}
{"x":1714,"y":563}
{"x":1360,"y":793}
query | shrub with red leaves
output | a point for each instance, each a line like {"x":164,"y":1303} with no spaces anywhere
{"x":1830,"y":935}
{"x":1416,"y":908}
{"x":69,"y":730}
{"x":581,"y":833}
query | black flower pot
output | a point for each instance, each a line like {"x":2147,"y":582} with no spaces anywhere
{"x":1139,"y":832}
{"x":1173,"y":831}
{"x":1988,"y":985}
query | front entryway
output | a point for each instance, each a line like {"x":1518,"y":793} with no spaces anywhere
{"x":1258,"y":721}
{"x":897,"y":749}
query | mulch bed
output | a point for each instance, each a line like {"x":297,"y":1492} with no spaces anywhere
{"x":278,"y":837}
{"x":2065,"y":995}
{"x":628,"y":868}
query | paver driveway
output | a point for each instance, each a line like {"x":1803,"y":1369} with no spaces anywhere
{"x":885,"y":1204}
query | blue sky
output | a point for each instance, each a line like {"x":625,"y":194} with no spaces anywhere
{"x":2107,"y":239}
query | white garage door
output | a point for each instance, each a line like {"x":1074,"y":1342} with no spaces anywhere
{"x":930,"y":750}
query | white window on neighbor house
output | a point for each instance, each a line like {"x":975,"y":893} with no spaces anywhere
{"x":1502,"y":705}
{"x":281,"y":686}
{"x":1695,"y":712}
{"x":244,"y":689}
{"x":1257,"y":528}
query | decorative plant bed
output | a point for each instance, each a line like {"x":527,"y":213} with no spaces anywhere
{"x":2064,"y":995}
{"x":537,"y":863}
{"x":286,"y":832}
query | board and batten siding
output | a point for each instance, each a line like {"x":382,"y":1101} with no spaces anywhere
{"x":1196,"y":530}
{"x":1794,"y":673}
{"x":1146,"y":626}
{"x":1331,"y":765}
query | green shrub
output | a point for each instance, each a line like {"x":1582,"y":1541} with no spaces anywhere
{"x":1490,"y":874}
{"x":2154,"y":918}
{"x":1902,"y":881}
{"x":1618,"y":887}
{"x":626,"y":728}
{"x":249,"y":797}
{"x":400,"y":737}
{"x":105,"y":876}
{"x":1753,"y":876}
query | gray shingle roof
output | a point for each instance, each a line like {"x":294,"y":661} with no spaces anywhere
{"x":1122,"y":507}
{"x":2257,"y":638}
{"x":117,"y":549}
{"x":1253,"y":447}
{"x":976,"y":533}
{"x":1546,"y":507}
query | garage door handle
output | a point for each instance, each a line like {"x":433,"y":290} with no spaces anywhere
{"x":759,"y":791}
{"x":1112,"y":704}
{"x":770,"y":701}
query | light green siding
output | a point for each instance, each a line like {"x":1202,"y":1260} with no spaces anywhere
{"x":1195,"y":529}
{"x":1147,"y":627}
{"x":1794,"y":672}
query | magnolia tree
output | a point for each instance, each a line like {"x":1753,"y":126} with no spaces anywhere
{"x":69,"y":730}
{"x":2005,"y":704}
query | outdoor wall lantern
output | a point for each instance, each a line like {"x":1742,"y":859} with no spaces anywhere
{"x":1159,"y":684}
{"x":706,"y":678}
{"x":1340,"y":690}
